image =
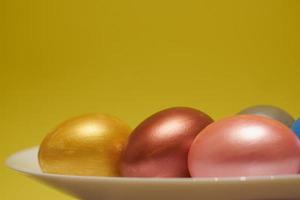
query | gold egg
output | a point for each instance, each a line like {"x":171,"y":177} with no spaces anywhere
{"x":88,"y":145}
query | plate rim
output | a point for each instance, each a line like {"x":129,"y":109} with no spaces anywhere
{"x":9,"y":162}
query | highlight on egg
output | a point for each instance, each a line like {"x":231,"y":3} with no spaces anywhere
{"x":244,"y":145}
{"x":158,"y":146}
{"x":88,"y":145}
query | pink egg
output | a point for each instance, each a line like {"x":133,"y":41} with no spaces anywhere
{"x":244,"y":145}
{"x":159,"y":146}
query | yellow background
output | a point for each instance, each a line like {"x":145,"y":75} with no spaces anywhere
{"x":131,"y":58}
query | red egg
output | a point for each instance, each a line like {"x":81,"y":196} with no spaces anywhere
{"x":244,"y":145}
{"x":159,"y":146}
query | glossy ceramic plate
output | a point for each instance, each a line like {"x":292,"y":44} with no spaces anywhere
{"x":107,"y":188}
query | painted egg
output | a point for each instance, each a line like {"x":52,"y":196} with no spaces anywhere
{"x":159,"y":146}
{"x":244,"y":145}
{"x":270,"y":112}
{"x":296,"y":127}
{"x":88,"y":145}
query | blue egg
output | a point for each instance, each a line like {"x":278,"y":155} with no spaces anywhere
{"x":296,"y":127}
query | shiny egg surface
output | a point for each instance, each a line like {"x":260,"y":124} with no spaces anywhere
{"x":270,"y":112}
{"x":88,"y":145}
{"x":244,"y":145}
{"x":159,"y":146}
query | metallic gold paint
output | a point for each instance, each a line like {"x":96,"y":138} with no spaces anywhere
{"x":244,"y":145}
{"x":159,"y":146}
{"x":86,"y":145}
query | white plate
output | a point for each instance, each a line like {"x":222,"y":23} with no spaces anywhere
{"x":85,"y":187}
